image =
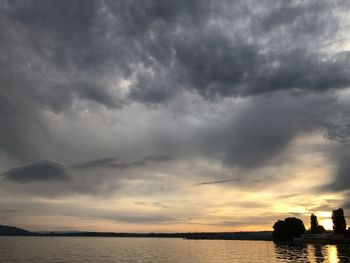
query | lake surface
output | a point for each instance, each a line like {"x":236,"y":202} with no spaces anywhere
{"x":157,"y":250}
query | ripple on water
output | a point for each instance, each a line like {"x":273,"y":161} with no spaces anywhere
{"x":157,"y":250}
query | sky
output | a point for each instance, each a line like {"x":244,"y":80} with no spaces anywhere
{"x":146,"y":116}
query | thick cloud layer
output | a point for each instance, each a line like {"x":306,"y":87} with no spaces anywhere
{"x":164,"y":86}
{"x":60,"y":54}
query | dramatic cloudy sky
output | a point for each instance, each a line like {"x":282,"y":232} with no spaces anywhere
{"x":173,"y":115}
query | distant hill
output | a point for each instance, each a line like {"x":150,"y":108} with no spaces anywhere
{"x":14,"y":231}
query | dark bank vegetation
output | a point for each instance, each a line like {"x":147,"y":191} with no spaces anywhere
{"x":288,"y":229}
{"x":292,"y":227}
{"x":262,"y":235}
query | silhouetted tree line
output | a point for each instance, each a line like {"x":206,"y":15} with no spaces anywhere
{"x":292,"y":227}
{"x":288,"y":229}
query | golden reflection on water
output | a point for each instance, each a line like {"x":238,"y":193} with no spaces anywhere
{"x":331,"y":253}
{"x":159,"y":250}
{"x":328,"y":253}
{"x":313,"y":253}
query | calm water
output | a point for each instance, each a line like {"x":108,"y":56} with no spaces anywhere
{"x":84,"y":249}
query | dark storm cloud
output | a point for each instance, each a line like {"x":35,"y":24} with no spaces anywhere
{"x":59,"y":56}
{"x":59,"y":53}
{"x":41,"y":171}
{"x":284,"y":53}
{"x":179,"y":38}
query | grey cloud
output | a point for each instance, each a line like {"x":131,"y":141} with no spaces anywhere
{"x":60,"y":54}
{"x":28,"y":207}
{"x":261,"y":131}
{"x":157,"y":158}
{"x":339,"y":131}
{"x":263,"y":219}
{"x":247,"y":60}
{"x":142,"y":219}
{"x":122,"y":165}
{"x":96,"y":93}
{"x":42,"y":44}
{"x":217,"y":182}
{"x":41,"y":171}
{"x":98,"y":177}
{"x":251,"y":204}
{"x":151,"y":204}
{"x":130,"y":218}
{"x":8,"y":213}
{"x":105,"y":162}
{"x":341,"y":180}
{"x":248,"y":138}
{"x":325,"y":207}
{"x":113,"y":163}
{"x":77,"y":184}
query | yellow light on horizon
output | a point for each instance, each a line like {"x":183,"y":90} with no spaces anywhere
{"x":325,"y":219}
{"x":324,"y":214}
{"x":327,"y":223}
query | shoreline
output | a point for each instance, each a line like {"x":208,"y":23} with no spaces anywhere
{"x":252,"y":235}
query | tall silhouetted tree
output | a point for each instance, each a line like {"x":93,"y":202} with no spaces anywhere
{"x":314,"y":223}
{"x":315,"y":227}
{"x":288,"y":229}
{"x":339,"y":223}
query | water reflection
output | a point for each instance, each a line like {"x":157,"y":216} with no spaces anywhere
{"x":313,"y":253}
{"x":343,"y":253}
{"x":288,"y":253}
{"x":317,"y":253}
{"x":156,"y":250}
